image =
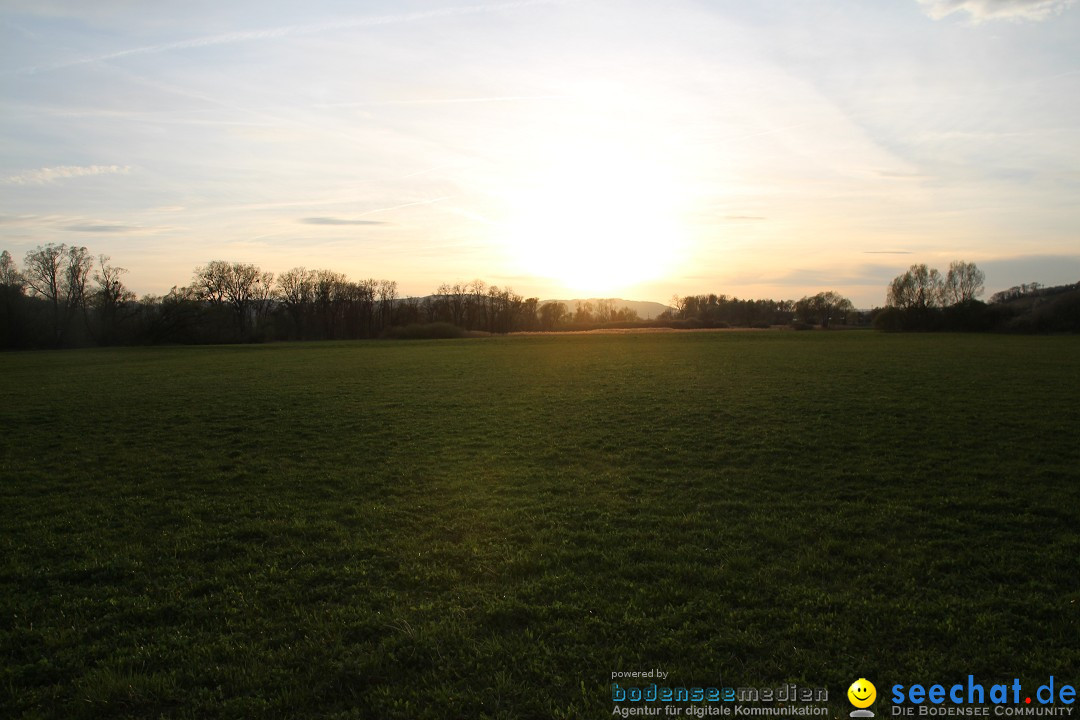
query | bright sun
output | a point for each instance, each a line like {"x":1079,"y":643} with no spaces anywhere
{"x":596,"y":217}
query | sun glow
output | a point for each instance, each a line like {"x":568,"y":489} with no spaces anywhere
{"x":596,"y":217}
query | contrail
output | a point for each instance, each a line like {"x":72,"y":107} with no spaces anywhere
{"x":444,"y":101}
{"x":404,"y":205}
{"x":474,"y":216}
{"x":334,"y":201}
{"x":289,"y":30}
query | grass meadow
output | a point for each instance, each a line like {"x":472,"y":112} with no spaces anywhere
{"x":488,"y":528}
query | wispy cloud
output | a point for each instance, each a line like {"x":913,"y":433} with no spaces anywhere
{"x":886,"y":252}
{"x":981,"y":10}
{"x":338,"y":221}
{"x":356,"y":196}
{"x":102,"y":228}
{"x":444,"y":101}
{"x":46,"y":175}
{"x":289,"y":30}
{"x":408,"y":204}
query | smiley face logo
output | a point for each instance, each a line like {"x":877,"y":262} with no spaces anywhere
{"x":862,"y":693}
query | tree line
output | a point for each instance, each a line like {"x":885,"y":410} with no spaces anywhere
{"x":65,"y":296}
{"x":825,"y":309}
{"x":923,"y":299}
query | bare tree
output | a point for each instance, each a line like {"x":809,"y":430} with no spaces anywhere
{"x":296,"y":288}
{"x":109,"y":297}
{"x":919,"y":288}
{"x":209,"y":282}
{"x":110,"y":288}
{"x":458,"y":303}
{"x":329,"y":286}
{"x":243,"y":287}
{"x":437,"y":305}
{"x":605,"y":311}
{"x":387,"y":290}
{"x":963,"y":282}
{"x":44,"y":273}
{"x":9,"y":274}
{"x":409,"y":311}
{"x":261,"y":297}
{"x":475,"y":304}
{"x":77,"y":271}
{"x":58,"y":274}
{"x":366,"y":292}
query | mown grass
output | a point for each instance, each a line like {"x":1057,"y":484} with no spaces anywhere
{"x":490,"y":527}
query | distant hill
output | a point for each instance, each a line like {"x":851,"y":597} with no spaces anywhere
{"x":1028,"y":308}
{"x":646,"y":310}
{"x":1035,"y":308}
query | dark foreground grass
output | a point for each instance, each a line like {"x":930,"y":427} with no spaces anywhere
{"x":490,"y":528}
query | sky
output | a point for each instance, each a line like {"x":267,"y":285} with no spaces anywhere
{"x":562,"y":148}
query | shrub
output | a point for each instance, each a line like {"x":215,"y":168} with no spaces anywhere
{"x":973,"y":316}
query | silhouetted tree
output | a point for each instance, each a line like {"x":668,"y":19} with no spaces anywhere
{"x":476,"y":314}
{"x":408,"y":312}
{"x":329,"y":287}
{"x":919,"y":288}
{"x":175,"y":317}
{"x":963,"y":282}
{"x":457,"y":303}
{"x":1016,"y":292}
{"x":529,"y":314}
{"x":552,"y":314}
{"x":243,"y":288}
{"x":387,"y":290}
{"x":12,"y":306}
{"x":296,"y":291}
{"x":58,"y":274}
{"x":583,"y":313}
{"x":9,"y":273}
{"x":108,"y":299}
{"x":823,"y":308}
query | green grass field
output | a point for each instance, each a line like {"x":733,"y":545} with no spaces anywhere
{"x":491,"y":527}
